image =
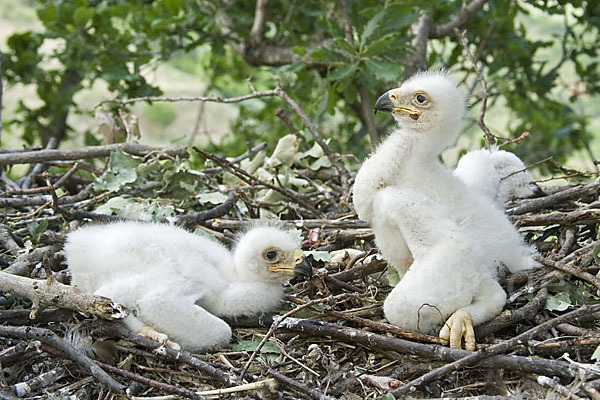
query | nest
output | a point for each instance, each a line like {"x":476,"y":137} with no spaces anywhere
{"x":330,"y":339}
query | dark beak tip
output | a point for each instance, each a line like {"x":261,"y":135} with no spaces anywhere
{"x":305,"y":267}
{"x":384,"y":103}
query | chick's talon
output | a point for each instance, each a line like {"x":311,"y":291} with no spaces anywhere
{"x":344,"y":255}
{"x":151,"y":333}
{"x":457,"y":327}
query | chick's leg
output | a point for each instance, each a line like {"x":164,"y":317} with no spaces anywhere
{"x":121,"y":292}
{"x":186,"y":323}
{"x":487,"y":302}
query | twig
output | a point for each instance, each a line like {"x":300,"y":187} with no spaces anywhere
{"x":298,"y":223}
{"x":59,"y":183}
{"x":360,"y":271}
{"x":571,"y":269}
{"x":250,"y":153}
{"x":508,"y":318}
{"x":49,"y":292}
{"x":489,"y":137}
{"x":215,"y":212}
{"x":297,"y":386}
{"x":31,"y":386}
{"x":580,"y":217}
{"x":421,"y":337}
{"x":557,"y":387}
{"x":37,"y":168}
{"x":51,"y":339}
{"x":532,"y":205}
{"x":152,"y":383}
{"x":212,"y":99}
{"x":464,"y":15}
{"x":136,"y":149}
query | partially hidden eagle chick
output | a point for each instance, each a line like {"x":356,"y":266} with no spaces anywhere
{"x":447,"y":241}
{"x":180,"y":283}
{"x":498,"y":174}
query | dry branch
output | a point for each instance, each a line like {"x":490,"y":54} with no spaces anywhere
{"x":49,"y":292}
{"x":464,"y":15}
{"x":377,"y":342}
{"x":51,"y":339}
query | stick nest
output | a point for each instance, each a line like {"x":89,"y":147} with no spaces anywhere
{"x":334,"y":341}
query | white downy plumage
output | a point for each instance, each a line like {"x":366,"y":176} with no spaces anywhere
{"x":454,"y":239}
{"x":498,"y":174}
{"x":180,"y":283}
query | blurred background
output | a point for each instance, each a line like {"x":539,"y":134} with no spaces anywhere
{"x":61,"y":58}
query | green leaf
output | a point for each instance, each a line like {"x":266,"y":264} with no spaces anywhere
{"x":251,"y":345}
{"x":319,"y":255}
{"x":384,"y":70}
{"x":121,"y":171}
{"x":388,"y":396}
{"x":300,"y":50}
{"x":82,"y":15}
{"x":371,"y":26}
{"x":558,"y":302}
{"x":392,"y":276}
{"x":37,"y":228}
{"x":211,"y":197}
{"x":379,"y":45}
{"x":343,"y":72}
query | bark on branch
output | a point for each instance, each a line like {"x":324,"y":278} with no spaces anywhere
{"x":464,"y":15}
{"x":136,"y":149}
{"x":49,"y":292}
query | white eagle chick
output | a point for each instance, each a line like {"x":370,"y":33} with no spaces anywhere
{"x":447,"y":241}
{"x":180,"y":283}
{"x":498,"y":174}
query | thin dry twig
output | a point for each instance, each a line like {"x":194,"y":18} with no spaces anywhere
{"x":488,"y":135}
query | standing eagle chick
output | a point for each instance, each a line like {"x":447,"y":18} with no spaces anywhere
{"x":180,"y":283}
{"x":446,"y":241}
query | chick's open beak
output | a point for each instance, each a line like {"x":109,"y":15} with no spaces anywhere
{"x":388,"y":102}
{"x":300,"y":266}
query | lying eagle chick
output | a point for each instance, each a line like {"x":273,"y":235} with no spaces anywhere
{"x":180,"y":283}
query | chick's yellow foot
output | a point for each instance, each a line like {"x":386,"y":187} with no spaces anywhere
{"x":159,"y":337}
{"x":457,"y":327}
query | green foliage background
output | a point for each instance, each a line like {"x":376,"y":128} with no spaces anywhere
{"x":324,"y":52}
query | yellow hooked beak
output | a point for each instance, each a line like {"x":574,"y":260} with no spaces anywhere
{"x":388,"y":102}
{"x":288,"y":269}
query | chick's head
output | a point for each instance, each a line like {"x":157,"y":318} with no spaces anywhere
{"x":425,"y":102}
{"x":267,"y":254}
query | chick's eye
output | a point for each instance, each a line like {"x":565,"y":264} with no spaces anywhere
{"x":421,"y":99}
{"x":271,"y":255}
